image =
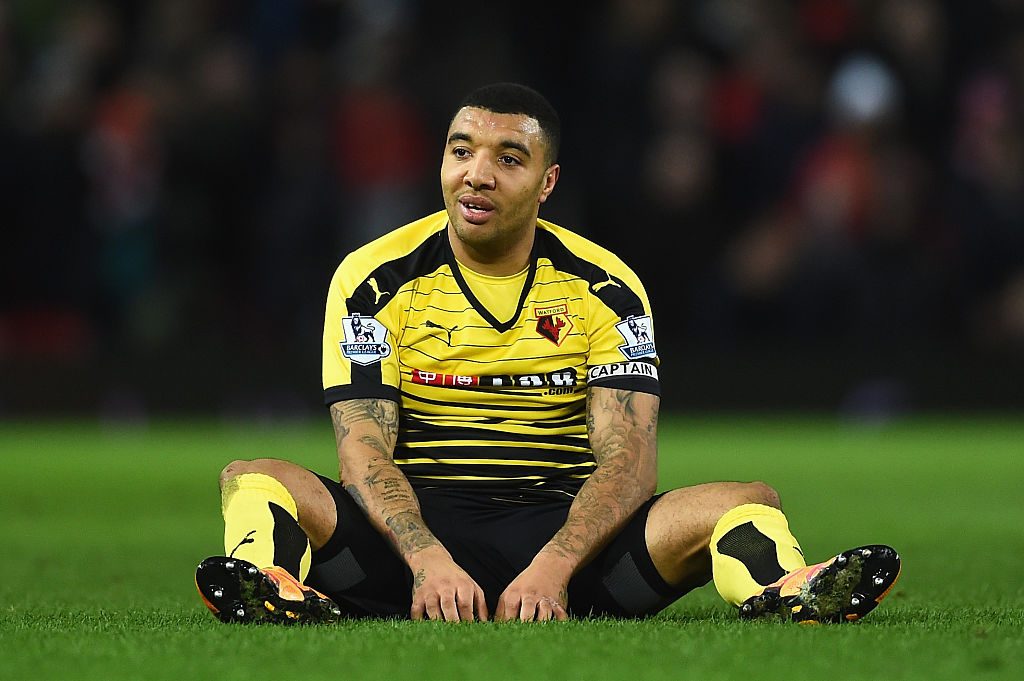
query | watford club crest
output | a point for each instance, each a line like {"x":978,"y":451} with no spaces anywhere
{"x":553,"y":322}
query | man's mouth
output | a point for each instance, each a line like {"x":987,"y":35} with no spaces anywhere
{"x":476,"y":209}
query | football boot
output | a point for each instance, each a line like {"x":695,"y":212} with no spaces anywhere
{"x":841,"y":589}
{"x":235,"y":590}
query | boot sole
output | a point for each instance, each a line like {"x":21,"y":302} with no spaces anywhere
{"x":237,"y":591}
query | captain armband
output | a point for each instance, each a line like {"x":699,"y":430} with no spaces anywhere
{"x":617,"y":370}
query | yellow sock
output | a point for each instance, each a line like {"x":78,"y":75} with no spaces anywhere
{"x":261,"y":524}
{"x":751,"y":547}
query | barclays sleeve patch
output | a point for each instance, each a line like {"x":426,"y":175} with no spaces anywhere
{"x":638,"y":332}
{"x":366,"y":340}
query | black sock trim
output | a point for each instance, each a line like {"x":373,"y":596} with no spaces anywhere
{"x":757,"y":552}
{"x":290,"y":542}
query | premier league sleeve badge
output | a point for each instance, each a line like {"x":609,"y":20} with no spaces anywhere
{"x":366,"y":340}
{"x":638,"y":333}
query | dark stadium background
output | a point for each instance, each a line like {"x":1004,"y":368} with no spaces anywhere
{"x":825,"y":198}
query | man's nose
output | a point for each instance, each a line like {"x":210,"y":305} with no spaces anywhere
{"x":480,"y":173}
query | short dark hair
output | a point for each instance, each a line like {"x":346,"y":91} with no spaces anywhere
{"x":514,"y":98}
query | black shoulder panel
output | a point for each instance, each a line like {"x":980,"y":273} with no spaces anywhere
{"x":611,"y":290}
{"x":384,"y":281}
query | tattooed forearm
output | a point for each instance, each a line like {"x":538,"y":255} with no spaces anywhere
{"x":367,"y":431}
{"x":409,"y":533}
{"x":623,"y":428}
{"x":390,"y":504}
{"x":605,"y":502}
{"x":376,"y":443}
{"x":387,"y":481}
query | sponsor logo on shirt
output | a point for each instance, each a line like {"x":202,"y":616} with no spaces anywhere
{"x":639,"y":336}
{"x":622,"y":369}
{"x":366,"y":340}
{"x":562,"y":378}
{"x":377,"y":293}
{"x":607,"y":282}
{"x":434,"y":325}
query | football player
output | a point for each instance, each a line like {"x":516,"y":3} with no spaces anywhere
{"x":497,"y":434}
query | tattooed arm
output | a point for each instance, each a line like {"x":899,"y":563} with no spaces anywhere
{"x":366,"y":431}
{"x":622,"y":426}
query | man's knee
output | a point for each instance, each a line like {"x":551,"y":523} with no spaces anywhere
{"x":313,"y":502}
{"x":238,"y":467}
{"x":760,"y":493}
{"x":708,"y":502}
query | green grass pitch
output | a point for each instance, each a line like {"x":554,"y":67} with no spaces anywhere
{"x":101,"y":530}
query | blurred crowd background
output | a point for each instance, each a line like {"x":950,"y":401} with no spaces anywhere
{"x":825,"y":198}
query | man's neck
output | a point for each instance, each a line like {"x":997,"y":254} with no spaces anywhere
{"x":502,"y":262}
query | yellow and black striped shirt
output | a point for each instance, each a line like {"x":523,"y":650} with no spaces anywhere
{"x":488,"y":402}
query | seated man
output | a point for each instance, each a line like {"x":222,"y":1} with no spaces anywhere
{"x":493,"y":383}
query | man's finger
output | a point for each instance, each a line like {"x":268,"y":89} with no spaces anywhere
{"x":481,"y":604}
{"x":543,"y":610}
{"x":464,"y":603}
{"x":418,"y":610}
{"x":448,"y":607}
{"x":508,"y":608}
{"x":433,"y":608}
{"x":512,"y":604}
{"x":528,"y":609}
{"x":560,"y":612}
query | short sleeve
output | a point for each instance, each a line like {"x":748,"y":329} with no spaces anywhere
{"x":623,"y":353}
{"x":359,"y":341}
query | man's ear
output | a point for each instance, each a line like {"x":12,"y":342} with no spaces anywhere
{"x":550,"y":180}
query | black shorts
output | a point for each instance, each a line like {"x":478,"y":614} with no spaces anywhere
{"x":492,"y":540}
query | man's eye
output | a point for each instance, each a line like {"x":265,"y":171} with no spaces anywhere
{"x":509,"y":160}
{"x":460,"y":152}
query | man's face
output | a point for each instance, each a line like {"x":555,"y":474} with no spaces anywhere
{"x":494,"y":177}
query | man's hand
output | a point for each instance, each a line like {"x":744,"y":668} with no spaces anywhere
{"x":441,"y":590}
{"x":539,"y":593}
